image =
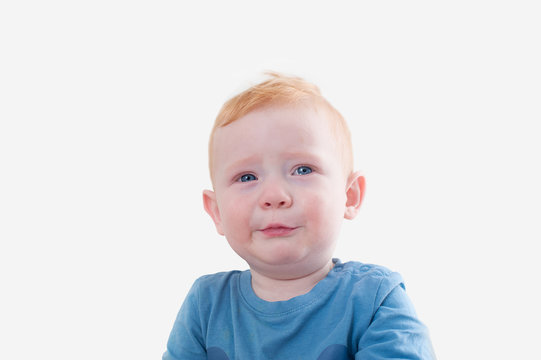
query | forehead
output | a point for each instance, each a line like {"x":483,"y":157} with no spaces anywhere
{"x":274,"y":129}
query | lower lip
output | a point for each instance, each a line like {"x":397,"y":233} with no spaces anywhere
{"x":277,"y":232}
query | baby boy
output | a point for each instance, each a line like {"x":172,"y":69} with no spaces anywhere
{"x":281,"y":166}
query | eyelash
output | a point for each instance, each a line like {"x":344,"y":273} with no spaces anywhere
{"x":296,"y":171}
{"x":252,"y":177}
{"x":240,"y":178}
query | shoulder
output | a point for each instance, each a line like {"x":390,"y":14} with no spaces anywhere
{"x":359,"y":270}
{"x":213,"y":285}
{"x":217,"y":278}
{"x":376,"y":280}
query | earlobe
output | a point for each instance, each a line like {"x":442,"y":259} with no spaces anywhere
{"x":354,"y":195}
{"x":211,"y":207}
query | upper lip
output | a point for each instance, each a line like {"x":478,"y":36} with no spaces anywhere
{"x":277,"y":226}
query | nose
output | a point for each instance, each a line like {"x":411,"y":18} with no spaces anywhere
{"x":275,"y":195}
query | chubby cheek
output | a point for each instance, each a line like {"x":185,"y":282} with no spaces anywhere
{"x":323,"y":217}
{"x":235,"y":220}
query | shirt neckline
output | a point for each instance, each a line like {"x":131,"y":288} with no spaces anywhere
{"x":280,"y":308}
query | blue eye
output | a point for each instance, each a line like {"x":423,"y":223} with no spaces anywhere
{"x":247,"y":177}
{"x":303,"y":170}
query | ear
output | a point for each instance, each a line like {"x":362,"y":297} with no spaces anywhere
{"x":211,"y":207}
{"x":354,"y":195}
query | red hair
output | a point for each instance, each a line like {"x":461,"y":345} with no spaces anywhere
{"x":281,"y":90}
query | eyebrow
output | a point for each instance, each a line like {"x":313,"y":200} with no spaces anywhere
{"x":309,"y":157}
{"x":241,"y":163}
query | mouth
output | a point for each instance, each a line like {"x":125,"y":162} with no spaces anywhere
{"x":278,"y":230}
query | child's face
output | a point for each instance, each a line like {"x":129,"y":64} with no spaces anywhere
{"x":280,"y":189}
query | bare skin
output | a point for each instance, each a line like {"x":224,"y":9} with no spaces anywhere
{"x":270,"y":289}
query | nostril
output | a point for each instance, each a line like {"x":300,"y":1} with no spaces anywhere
{"x":277,"y":204}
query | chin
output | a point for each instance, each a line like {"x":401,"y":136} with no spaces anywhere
{"x":283,"y":266}
{"x":284,"y":255}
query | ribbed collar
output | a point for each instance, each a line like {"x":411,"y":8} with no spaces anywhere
{"x":320,"y":292}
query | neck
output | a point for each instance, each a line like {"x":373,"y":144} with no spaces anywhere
{"x":273,"y":289}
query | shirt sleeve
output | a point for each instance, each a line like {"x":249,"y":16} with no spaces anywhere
{"x":186,"y":341}
{"x":395,"y":331}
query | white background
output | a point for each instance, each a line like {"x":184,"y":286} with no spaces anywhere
{"x":105,"y":111}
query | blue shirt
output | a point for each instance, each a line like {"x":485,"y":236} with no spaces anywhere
{"x":357,"y":311}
